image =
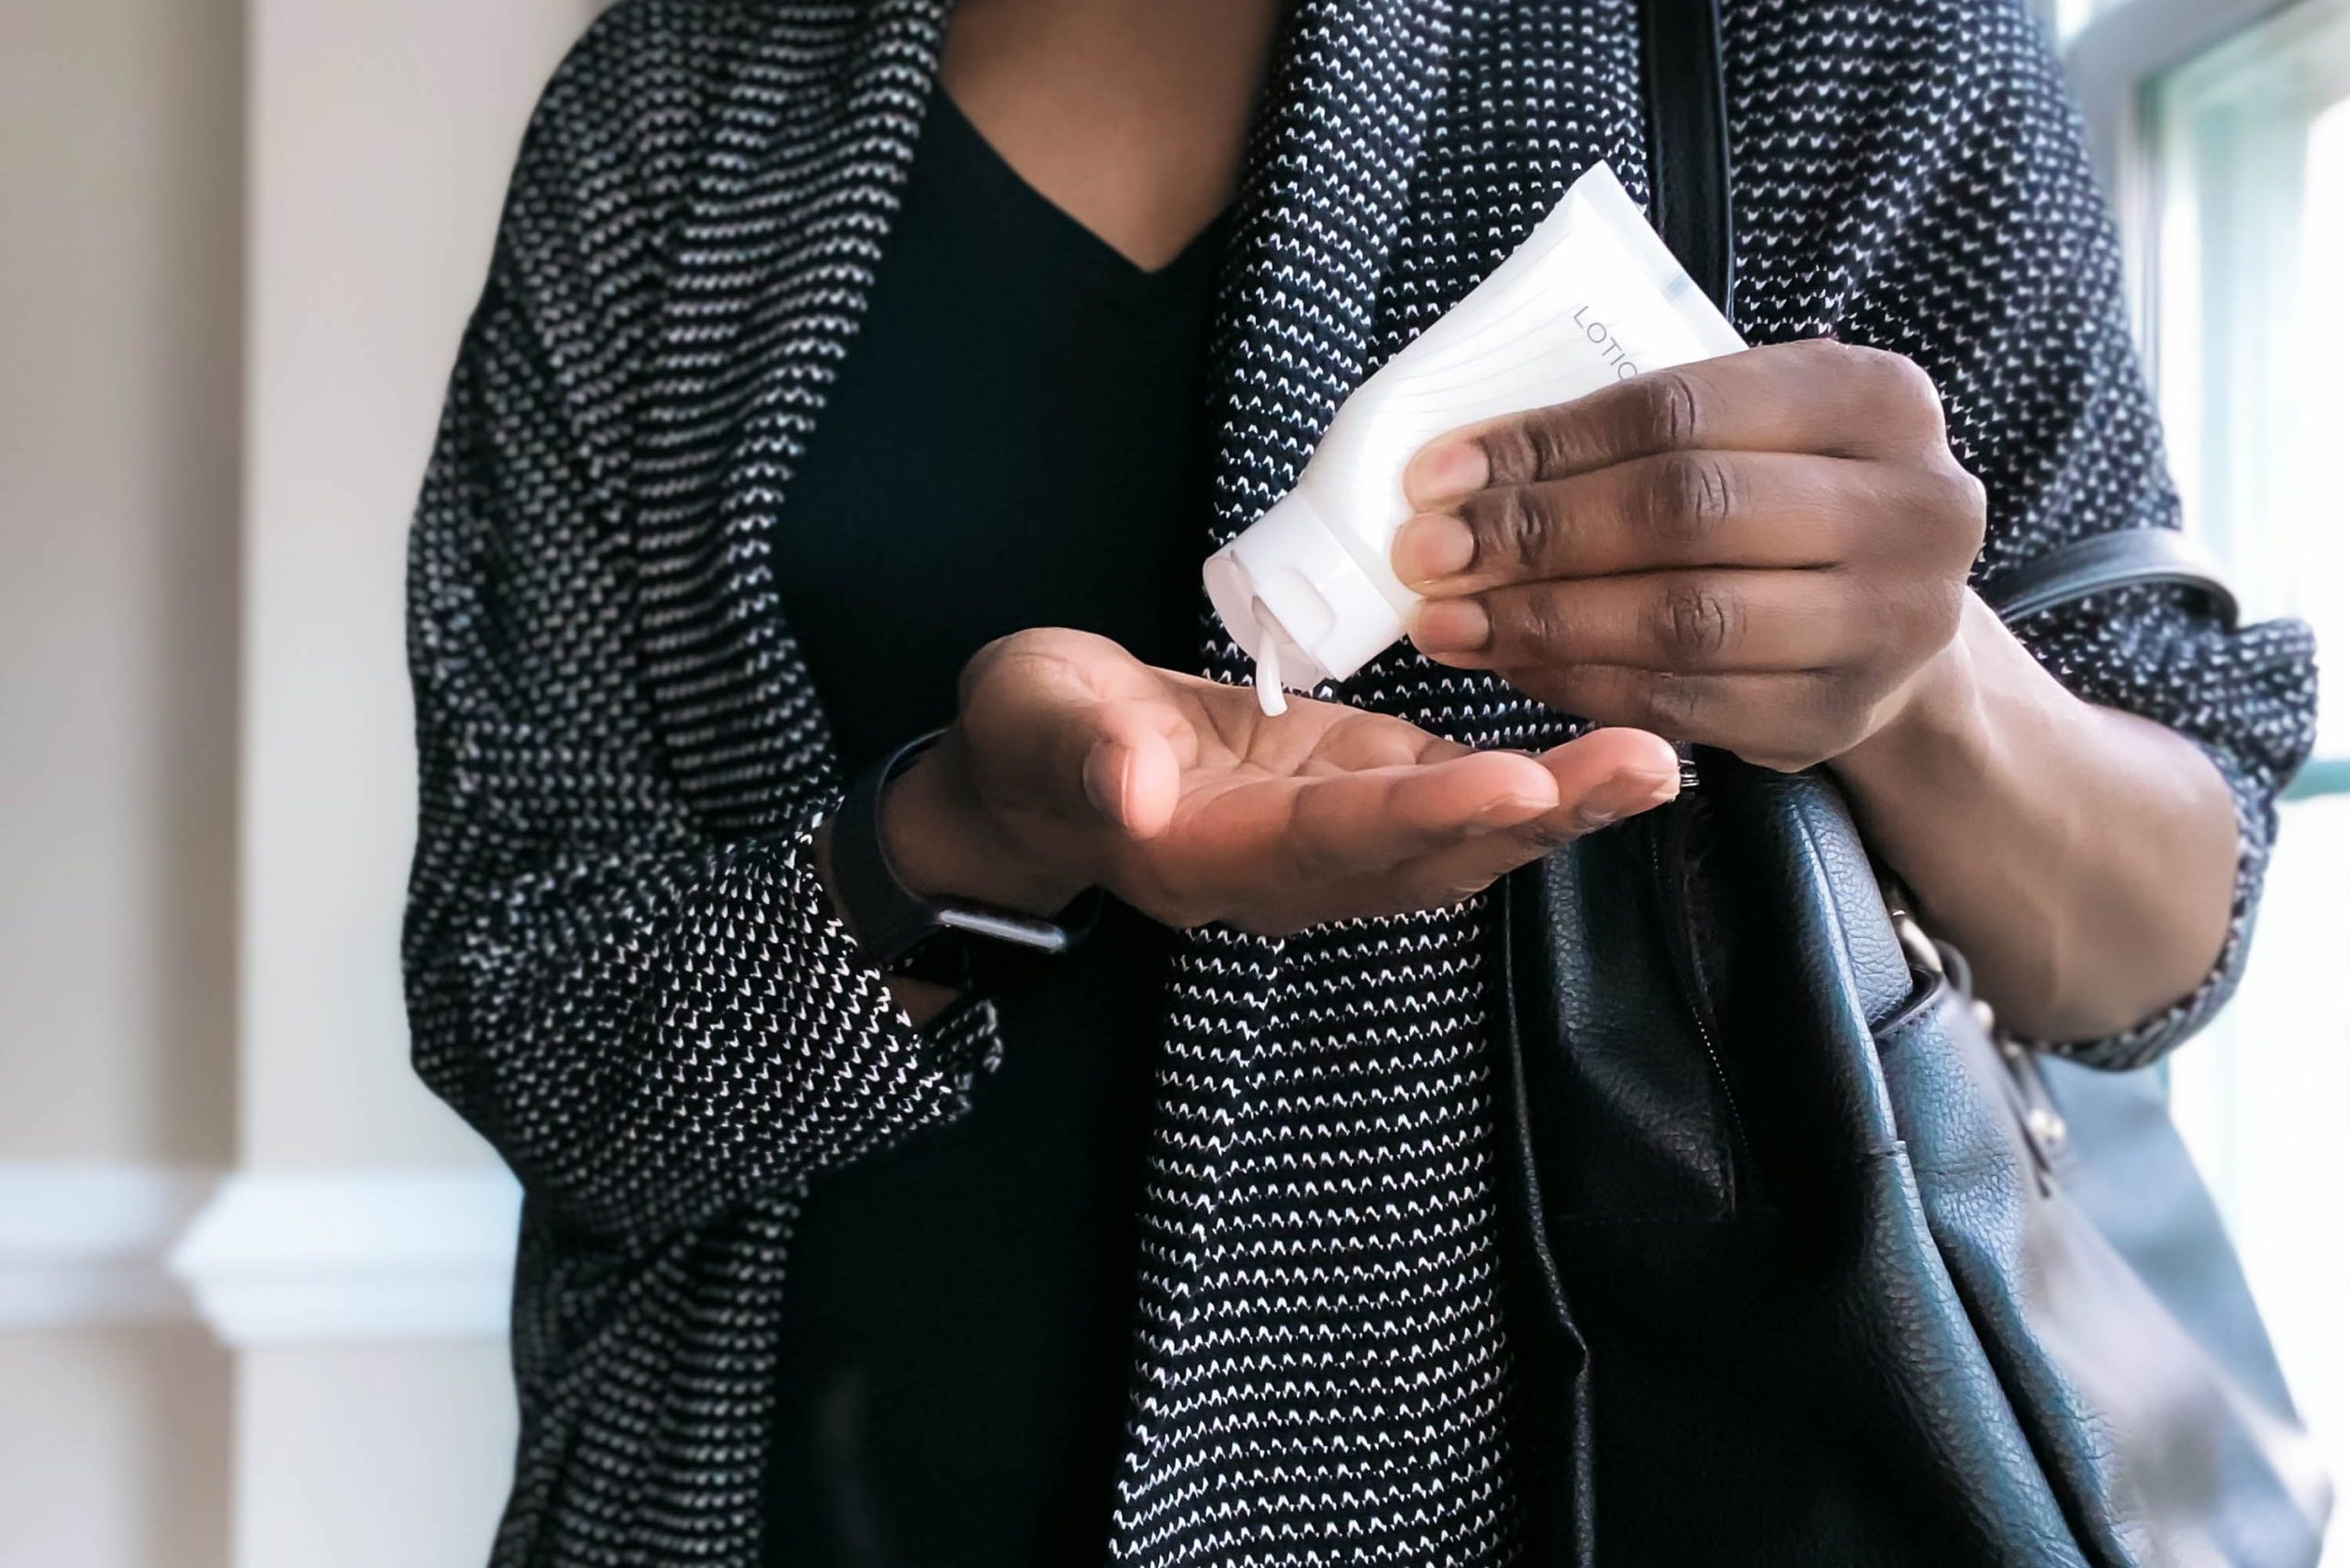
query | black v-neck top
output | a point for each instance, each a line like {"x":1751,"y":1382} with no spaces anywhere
{"x":1017,"y":438}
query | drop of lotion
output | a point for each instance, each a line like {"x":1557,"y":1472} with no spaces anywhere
{"x":1270,"y":698}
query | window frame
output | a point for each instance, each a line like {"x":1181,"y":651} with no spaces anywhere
{"x":2115,"y":61}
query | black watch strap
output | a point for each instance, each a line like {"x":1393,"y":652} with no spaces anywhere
{"x":946,"y":941}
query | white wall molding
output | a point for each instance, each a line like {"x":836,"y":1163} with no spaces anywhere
{"x":86,"y":1245}
{"x":262,"y":1257}
{"x":317,"y":1257}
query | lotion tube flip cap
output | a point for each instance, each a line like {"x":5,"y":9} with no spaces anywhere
{"x":1305,"y":598}
{"x":1591,"y":296}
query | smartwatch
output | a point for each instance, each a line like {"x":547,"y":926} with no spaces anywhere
{"x":950,"y":942}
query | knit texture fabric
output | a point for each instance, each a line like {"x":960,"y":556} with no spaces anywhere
{"x":621,"y":966}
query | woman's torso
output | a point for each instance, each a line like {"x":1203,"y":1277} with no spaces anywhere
{"x":1016,"y":439}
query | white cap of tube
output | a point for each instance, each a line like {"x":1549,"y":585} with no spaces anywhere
{"x":1296,"y":600}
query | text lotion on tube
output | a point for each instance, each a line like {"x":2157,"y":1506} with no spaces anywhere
{"x":1591,"y":296}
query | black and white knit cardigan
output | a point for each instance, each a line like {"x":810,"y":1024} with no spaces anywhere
{"x":620,"y":968}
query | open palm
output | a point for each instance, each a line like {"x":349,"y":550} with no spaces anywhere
{"x":1185,"y":800}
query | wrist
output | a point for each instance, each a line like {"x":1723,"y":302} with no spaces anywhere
{"x":944,"y":841}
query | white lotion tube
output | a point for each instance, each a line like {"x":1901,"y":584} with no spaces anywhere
{"x":1591,"y":297}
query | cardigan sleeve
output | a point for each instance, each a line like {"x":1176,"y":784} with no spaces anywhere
{"x":1999,"y":272}
{"x":650,"y":1021}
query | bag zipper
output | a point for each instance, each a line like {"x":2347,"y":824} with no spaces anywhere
{"x":1681,"y":938}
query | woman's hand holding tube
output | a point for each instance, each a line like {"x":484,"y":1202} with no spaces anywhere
{"x":1768,"y":552}
{"x":1758,"y":553}
{"x":1073,"y":764}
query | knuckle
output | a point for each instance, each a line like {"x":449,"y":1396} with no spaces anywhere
{"x":1669,"y":414}
{"x":1518,"y":527}
{"x":1537,"y":625}
{"x":1551,"y":449}
{"x":1899,"y":384}
{"x":1513,"y":452}
{"x":1911,"y":382}
{"x":1964,"y":502}
{"x":1695,"y":623}
{"x":1689,"y":493}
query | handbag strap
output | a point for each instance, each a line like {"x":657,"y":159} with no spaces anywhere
{"x":1688,"y":114}
{"x":2127,"y":559}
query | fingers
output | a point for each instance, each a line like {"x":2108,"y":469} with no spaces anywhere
{"x":1816,"y":396}
{"x":1130,"y":773}
{"x":1602,"y":777}
{"x":1589,"y":766}
{"x":1606,"y":777}
{"x":1682,"y":509}
{"x":1346,"y":825}
{"x":1069,"y":727}
{"x":1695,"y":622}
{"x":1328,"y":815}
{"x":1757,"y":551}
{"x":1086,"y":772}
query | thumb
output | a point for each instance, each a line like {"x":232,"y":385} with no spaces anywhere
{"x":1130,"y":773}
{"x":1064,"y":731}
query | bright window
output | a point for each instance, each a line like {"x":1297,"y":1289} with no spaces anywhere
{"x":2227,"y":127}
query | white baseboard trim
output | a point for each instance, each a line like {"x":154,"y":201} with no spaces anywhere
{"x":315,"y":1257}
{"x":84,"y":1246}
{"x":265,"y":1258}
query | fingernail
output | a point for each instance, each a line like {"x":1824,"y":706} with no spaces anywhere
{"x":1509,"y":811}
{"x":1433,"y":546}
{"x":1450,"y":626}
{"x":1637,"y":792}
{"x":1446,"y":472}
{"x":1627,"y":795}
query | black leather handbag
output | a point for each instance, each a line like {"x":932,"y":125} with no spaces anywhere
{"x":1810,"y":1266}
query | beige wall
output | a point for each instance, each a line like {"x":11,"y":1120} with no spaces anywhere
{"x":119,"y":280}
{"x":382,"y":132}
{"x":370,"y":1495}
{"x":237,"y":239}
{"x":113,"y":1449}
{"x":120,"y":213}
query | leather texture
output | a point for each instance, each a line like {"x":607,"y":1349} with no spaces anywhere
{"x":1807,"y":1267}
{"x":1798,"y":1284}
